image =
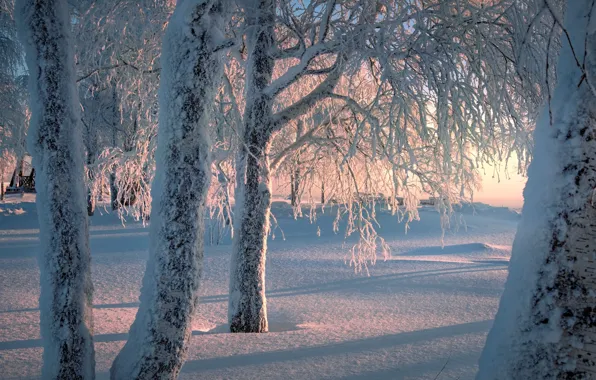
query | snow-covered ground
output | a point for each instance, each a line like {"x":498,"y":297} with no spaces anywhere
{"x":423,"y":314}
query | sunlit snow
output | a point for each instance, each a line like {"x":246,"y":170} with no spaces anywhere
{"x":422,"y":314}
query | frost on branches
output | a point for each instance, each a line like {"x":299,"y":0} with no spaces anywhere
{"x":191,"y":71}
{"x":544,"y":328}
{"x":247,"y":310}
{"x":55,"y":142}
{"x":118,"y":46}
{"x":424,"y":93}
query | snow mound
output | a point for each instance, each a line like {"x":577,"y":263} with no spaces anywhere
{"x":277,"y":206}
{"x":470,"y":252}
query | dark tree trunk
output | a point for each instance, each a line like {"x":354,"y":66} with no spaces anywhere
{"x":113,"y":192}
{"x":91,"y":201}
{"x":293,"y":188}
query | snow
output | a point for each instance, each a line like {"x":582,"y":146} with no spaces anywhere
{"x":423,"y":309}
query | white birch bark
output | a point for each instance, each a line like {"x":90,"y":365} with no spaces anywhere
{"x":545,"y":326}
{"x":247,"y":310}
{"x":191,"y":71}
{"x":56,"y":144}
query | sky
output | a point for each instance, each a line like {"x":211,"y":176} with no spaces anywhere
{"x":504,"y":191}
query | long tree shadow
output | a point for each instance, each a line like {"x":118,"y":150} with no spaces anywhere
{"x":342,"y":285}
{"x":362,"y":345}
{"x":34,"y":343}
{"x":435,"y":368}
{"x":134,"y":238}
{"x":354,"y":346}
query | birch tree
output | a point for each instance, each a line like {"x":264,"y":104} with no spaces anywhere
{"x":544,"y":328}
{"x":440,"y":97}
{"x":55,"y":142}
{"x":191,"y":67}
{"x":247,"y":305}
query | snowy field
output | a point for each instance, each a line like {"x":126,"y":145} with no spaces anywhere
{"x":423,"y":314}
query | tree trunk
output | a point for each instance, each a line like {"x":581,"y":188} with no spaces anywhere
{"x":248,"y":305}
{"x":55,"y":141}
{"x":545,"y":326}
{"x":322,"y":192}
{"x":90,"y":196}
{"x":293,"y":191}
{"x":115,"y":126}
{"x":2,"y":190}
{"x":113,"y":191}
{"x":296,"y":185}
{"x":247,"y":309}
{"x":191,"y":72}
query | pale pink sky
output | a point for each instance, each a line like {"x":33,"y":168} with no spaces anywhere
{"x":504,"y":191}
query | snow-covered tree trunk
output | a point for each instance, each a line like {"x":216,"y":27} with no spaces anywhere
{"x":2,"y":190}
{"x":191,"y":71}
{"x":247,"y":310}
{"x":545,"y":326}
{"x":56,"y":144}
{"x":248,"y":305}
